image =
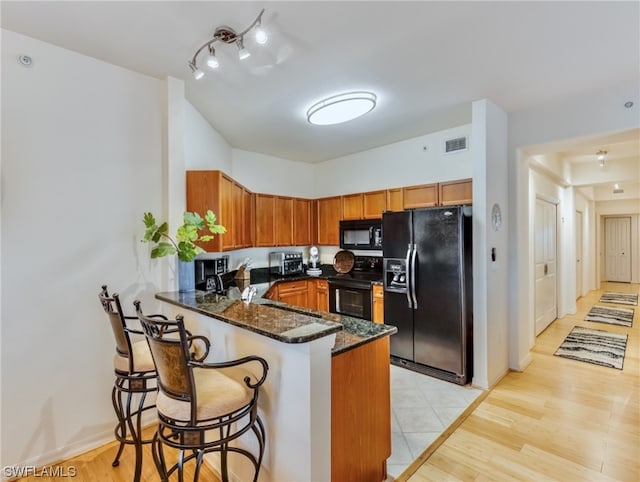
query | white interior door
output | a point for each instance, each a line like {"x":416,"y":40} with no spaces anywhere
{"x":617,"y":245}
{"x":579,"y":262}
{"x":546,"y":305}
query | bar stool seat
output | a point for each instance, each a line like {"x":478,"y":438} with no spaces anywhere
{"x":202,"y":407}
{"x":142,"y":359}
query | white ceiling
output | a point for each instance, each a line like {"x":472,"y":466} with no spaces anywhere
{"x":426,"y":61}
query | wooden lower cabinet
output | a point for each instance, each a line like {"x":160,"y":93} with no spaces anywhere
{"x":378,"y":303}
{"x":322,"y":295}
{"x":294,"y":293}
{"x":310,"y":293}
{"x":361,"y":413}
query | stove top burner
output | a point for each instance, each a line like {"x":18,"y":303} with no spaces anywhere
{"x":366,"y":270}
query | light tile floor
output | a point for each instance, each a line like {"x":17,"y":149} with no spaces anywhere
{"x":422,"y":407}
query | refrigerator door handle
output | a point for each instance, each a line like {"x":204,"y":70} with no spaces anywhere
{"x":407,"y":263}
{"x":414,"y":277}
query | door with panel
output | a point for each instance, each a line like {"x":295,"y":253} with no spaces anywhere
{"x":617,"y":245}
{"x":546,"y":295}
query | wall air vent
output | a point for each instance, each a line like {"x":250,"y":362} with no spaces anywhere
{"x":455,"y":145}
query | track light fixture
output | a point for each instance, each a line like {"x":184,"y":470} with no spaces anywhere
{"x":229,"y":36}
{"x":600,"y":155}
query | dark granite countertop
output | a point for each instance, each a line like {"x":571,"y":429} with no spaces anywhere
{"x":280,"y":321}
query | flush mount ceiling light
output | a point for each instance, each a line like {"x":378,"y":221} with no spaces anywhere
{"x":228,"y":36}
{"x":600,"y":155}
{"x":341,"y":108}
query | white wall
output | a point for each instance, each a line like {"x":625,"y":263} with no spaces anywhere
{"x":82,"y":160}
{"x":587,"y":207}
{"x":491,"y":336}
{"x":598,"y":113}
{"x":273,"y":175}
{"x":204,"y":147}
{"x":403,"y":163}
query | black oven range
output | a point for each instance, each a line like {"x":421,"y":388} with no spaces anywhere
{"x":350,"y":293}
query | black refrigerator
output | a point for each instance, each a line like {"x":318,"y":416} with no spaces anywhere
{"x":428,"y":290}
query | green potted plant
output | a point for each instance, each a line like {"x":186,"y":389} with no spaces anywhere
{"x":183,"y":244}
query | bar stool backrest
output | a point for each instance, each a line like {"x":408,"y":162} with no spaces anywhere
{"x":169,"y":344}
{"x":113,"y":309}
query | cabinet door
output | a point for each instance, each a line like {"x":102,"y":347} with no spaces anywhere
{"x":203,"y":193}
{"x":374,"y":204}
{"x":265,"y":207}
{"x":301,"y":222}
{"x":329,"y":211}
{"x":352,"y":206}
{"x":322,"y":295}
{"x":283,"y":221}
{"x":422,"y":196}
{"x":455,"y":192}
{"x":395,"y":199}
{"x":294,"y":293}
{"x":238,"y":216}
{"x":227,"y":213}
{"x":248,"y":219}
{"x":378,"y":304}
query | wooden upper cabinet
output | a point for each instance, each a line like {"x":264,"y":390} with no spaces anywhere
{"x":395,"y":199}
{"x":283,"y":221}
{"x":265,"y":229}
{"x":455,"y":192}
{"x":212,"y":190}
{"x":313,"y":221}
{"x":423,"y":196}
{"x":329,"y":215}
{"x":238,"y":215}
{"x":352,"y":206}
{"x":301,"y":222}
{"x":374,"y":204}
{"x":248,"y":221}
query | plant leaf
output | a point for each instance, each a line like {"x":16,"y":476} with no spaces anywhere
{"x":162,"y":249}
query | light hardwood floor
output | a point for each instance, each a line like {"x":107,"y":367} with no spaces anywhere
{"x":560,"y":419}
{"x":95,"y":466}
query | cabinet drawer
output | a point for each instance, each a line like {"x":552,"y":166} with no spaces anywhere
{"x":290,"y":286}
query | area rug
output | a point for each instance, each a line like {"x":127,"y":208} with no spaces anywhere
{"x":599,"y":347}
{"x":612,"y":316}
{"x":620,"y":298}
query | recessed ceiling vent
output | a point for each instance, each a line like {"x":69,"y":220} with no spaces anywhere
{"x":455,"y":145}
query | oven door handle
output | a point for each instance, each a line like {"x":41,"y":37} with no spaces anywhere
{"x":407,"y":264}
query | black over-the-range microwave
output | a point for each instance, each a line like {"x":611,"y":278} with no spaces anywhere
{"x":361,"y":234}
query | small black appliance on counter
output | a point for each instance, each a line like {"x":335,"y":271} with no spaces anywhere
{"x":211,"y":274}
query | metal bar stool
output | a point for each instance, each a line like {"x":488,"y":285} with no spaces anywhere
{"x":202,"y":407}
{"x":135,"y":378}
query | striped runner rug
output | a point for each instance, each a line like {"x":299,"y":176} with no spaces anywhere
{"x":612,"y":316}
{"x":599,"y":347}
{"x":620,"y":298}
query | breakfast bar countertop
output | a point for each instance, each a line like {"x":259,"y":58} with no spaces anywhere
{"x":280,"y":321}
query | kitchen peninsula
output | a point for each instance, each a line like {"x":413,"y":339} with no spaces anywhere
{"x":327,"y":393}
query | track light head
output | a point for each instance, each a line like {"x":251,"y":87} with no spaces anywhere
{"x":212,"y":61}
{"x":242,"y":52}
{"x":197,"y":73}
